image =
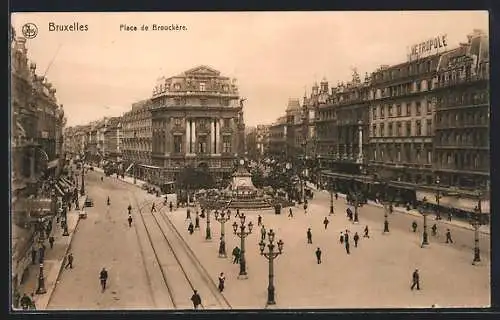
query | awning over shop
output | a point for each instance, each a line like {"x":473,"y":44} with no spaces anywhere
{"x":129,"y":167}
{"x":36,"y":207}
{"x":59,"y":190}
{"x":458,"y":202}
{"x":53,"y":164}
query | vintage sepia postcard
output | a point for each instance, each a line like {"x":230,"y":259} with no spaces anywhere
{"x":250,"y":160}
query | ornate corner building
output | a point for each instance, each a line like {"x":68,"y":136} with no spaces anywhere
{"x":196,"y":120}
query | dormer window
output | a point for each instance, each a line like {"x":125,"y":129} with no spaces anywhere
{"x":224,"y":88}
{"x":202,"y":86}
{"x":177,"y":86}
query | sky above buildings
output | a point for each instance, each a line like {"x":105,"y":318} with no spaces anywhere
{"x":273,"y":55}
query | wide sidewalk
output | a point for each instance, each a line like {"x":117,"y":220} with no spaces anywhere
{"x":485,"y":229}
{"x":54,"y":260}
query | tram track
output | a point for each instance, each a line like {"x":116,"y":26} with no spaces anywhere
{"x":180,"y":269}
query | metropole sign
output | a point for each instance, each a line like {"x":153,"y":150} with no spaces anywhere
{"x":428,"y":47}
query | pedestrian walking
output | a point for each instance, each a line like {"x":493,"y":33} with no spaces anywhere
{"x":356,"y":239}
{"x":336,"y":196}
{"x":191,"y":228}
{"x":197,"y":221}
{"x":449,"y":216}
{"x":236,"y":255}
{"x":51,"y":242}
{"x":347,"y":247}
{"x":33,"y":256}
{"x":259,"y":220}
{"x":196,"y":299}
{"x":305,"y":208}
{"x":341,"y":238}
{"x":32,"y":305}
{"x":222,"y":279}
{"x":171,"y":206}
{"x":262,"y":233}
{"x":188,"y":214}
{"x":434,"y":229}
{"x":69,"y":262}
{"x":415,"y":280}
{"x":103,"y":277}
{"x":448,"y":236}
{"x":129,"y":208}
{"x":108,"y":201}
{"x":318,"y":255}
{"x":309,"y":236}
{"x":290,"y":213}
{"x":346,"y":236}
{"x":366,"y":231}
{"x":325,"y":222}
{"x":129,"y":221}
{"x":153,"y":208}
{"x":25,"y":302}
{"x":414,"y":226}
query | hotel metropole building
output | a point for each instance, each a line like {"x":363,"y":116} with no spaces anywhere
{"x":197,"y":120}
{"x":422,"y":125}
{"x":461,"y":140}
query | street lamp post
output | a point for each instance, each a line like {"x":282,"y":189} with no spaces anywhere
{"x":41,"y":279}
{"x":357,"y":205}
{"x":387,"y":205}
{"x":242,"y":234}
{"x":135,"y":173}
{"x":65,"y":216}
{"x":331,"y":198}
{"x":82,"y":190}
{"x":271,"y":255}
{"x":438,"y":197}
{"x":476,"y":224}
{"x":208,"y":231}
{"x":222,"y":218}
{"x":425,"y":237}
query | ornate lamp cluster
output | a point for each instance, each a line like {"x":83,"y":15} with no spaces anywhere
{"x":270,"y":255}
{"x":242,"y":234}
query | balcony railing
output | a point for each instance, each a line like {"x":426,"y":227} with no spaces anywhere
{"x":458,"y":81}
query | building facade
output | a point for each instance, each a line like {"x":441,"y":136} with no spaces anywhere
{"x":197,"y":120}
{"x":113,"y":139}
{"x":421,"y":125}
{"x":461,"y":141}
{"x":262,"y":139}
{"x":342,"y":130}
{"x":36,"y":151}
{"x":402,"y":120}
{"x":277,"y":138}
{"x":137,"y":137}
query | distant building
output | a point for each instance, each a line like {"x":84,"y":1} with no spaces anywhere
{"x":137,"y":137}
{"x":262,"y":139}
{"x":277,"y":138}
{"x":113,"y":139}
{"x":197,"y":120}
